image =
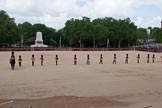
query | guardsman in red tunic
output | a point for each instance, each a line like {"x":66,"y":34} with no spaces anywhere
{"x":138,"y":58}
{"x":41,"y":59}
{"x":153,"y":58}
{"x":75,"y":59}
{"x":19,"y":60}
{"x":56,"y":59}
{"x":12,"y":60}
{"x":126,"y":59}
{"x":114,"y":61}
{"x":148,"y":58}
{"x":12,"y":56}
{"x":33,"y":59}
{"x":101,"y":59}
{"x":88,"y":59}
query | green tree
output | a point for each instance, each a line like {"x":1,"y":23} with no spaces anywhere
{"x":26,"y":33}
{"x":157,"y":34}
{"x":9,"y":33}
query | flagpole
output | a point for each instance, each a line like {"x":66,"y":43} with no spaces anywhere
{"x":60,"y":41}
{"x":80,"y":43}
{"x":22,"y":41}
{"x":94,"y":42}
{"x":107,"y":42}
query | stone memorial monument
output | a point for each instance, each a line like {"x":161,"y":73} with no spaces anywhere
{"x":39,"y":40}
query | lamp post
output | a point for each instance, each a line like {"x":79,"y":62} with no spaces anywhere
{"x":161,"y":24}
{"x":119,"y":44}
{"x":22,"y":40}
{"x":80,"y":41}
{"x":60,"y":42}
{"x":108,"y":41}
{"x":94,"y":42}
{"x":148,"y":34}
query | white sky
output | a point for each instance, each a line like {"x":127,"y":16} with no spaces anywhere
{"x":54,"y":13}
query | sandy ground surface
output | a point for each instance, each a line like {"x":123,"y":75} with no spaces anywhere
{"x":81,"y":86}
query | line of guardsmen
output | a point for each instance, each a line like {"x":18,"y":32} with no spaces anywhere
{"x":12,"y":59}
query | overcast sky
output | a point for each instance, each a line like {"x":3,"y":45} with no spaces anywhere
{"x":54,"y":13}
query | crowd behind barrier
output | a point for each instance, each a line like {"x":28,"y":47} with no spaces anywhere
{"x":147,"y":49}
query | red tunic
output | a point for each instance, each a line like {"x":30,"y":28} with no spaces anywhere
{"x":33,"y":59}
{"x":56,"y":59}
{"x":12,"y":57}
{"x":75,"y":58}
{"x":138,"y":57}
{"x":126,"y":57}
{"x":41,"y":59}
{"x":114,"y":57}
{"x":101,"y":58}
{"x":148,"y":57}
{"x":20,"y":59}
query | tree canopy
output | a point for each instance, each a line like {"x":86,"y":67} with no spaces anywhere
{"x":9,"y":32}
{"x":84,"y":32}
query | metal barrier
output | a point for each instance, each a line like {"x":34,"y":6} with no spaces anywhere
{"x":79,"y":49}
